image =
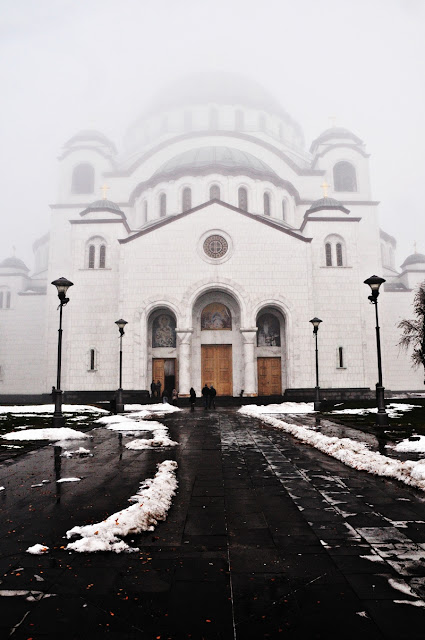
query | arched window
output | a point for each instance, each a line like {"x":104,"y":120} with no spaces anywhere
{"x":5,"y":298}
{"x":92,"y":255}
{"x":283,"y":209}
{"x":335,"y":251}
{"x":145,"y":212}
{"x":214,"y":192}
{"x":162,"y":205}
{"x":340,"y":355}
{"x":102,"y":256}
{"x":92,"y":360}
{"x":239,"y":120}
{"x":187,"y":199}
{"x":262,"y":122}
{"x":96,"y":253}
{"x":268,"y":334}
{"x":344,"y":177}
{"x":328,"y":252}
{"x":164,"y":331}
{"x":243,"y":199}
{"x":187,"y":121}
{"x":214,"y":118}
{"x":83,"y":178}
{"x":266,"y":198}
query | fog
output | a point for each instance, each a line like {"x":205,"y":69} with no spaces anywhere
{"x":67,"y":65}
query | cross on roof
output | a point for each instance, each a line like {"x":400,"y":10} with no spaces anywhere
{"x":325,"y":186}
{"x":104,"y":188}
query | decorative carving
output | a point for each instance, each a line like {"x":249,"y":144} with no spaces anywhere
{"x":164,"y":331}
{"x":216,"y":246}
{"x":216,"y":316}
{"x":268,"y":331}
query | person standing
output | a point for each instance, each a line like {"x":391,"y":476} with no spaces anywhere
{"x":153,"y":389}
{"x":192,"y":398}
{"x":174,"y":396}
{"x":211,"y":397}
{"x":158,"y":389}
{"x":205,"y":395}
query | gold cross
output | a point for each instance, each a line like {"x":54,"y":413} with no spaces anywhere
{"x":104,"y":188}
{"x":325,"y":187}
{"x":333,"y":120}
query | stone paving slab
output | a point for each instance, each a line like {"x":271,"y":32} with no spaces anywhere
{"x":266,"y":538}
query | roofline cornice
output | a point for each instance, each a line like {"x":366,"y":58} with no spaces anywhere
{"x":85,"y":147}
{"x":219,"y":134}
{"x":339,"y":146}
{"x":103,"y":221}
{"x":326,"y":219}
{"x":169,"y":219}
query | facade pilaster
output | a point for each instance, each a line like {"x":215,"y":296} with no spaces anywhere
{"x":249,"y":338}
{"x":184,"y":337}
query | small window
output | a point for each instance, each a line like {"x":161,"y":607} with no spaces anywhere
{"x":187,"y":199}
{"x":328,"y":251}
{"x":283,"y":210}
{"x":8,"y":295}
{"x":145,"y":211}
{"x":239,"y":120}
{"x":266,"y":198}
{"x":92,"y":252}
{"x":344,"y":177}
{"x":339,"y":254}
{"x":92,"y":359}
{"x":341,"y":358}
{"x":162,"y":205}
{"x":214,"y":118}
{"x":243,"y":199}
{"x":102,"y":256}
{"x":83,"y":179}
{"x":214,"y":192}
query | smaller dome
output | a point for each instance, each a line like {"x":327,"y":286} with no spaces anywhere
{"x":90,"y":136}
{"x":13,"y":263}
{"x":102,"y":205}
{"x":415,"y":258}
{"x":326,"y":204}
{"x":334,"y":133}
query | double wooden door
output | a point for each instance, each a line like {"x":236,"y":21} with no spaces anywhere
{"x":165,"y":370}
{"x":269,"y":376}
{"x":216,"y":365}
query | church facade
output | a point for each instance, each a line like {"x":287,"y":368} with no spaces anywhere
{"x":217,"y":236}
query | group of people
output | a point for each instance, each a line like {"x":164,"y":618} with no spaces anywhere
{"x":208,"y":395}
{"x":165,"y":395}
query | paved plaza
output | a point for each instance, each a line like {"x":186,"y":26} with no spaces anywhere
{"x":266,"y":538}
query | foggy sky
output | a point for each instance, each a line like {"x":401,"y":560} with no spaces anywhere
{"x":67,"y":65}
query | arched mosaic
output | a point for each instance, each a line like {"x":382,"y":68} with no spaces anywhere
{"x":216,"y":316}
{"x":164,"y":331}
{"x":268,"y":334}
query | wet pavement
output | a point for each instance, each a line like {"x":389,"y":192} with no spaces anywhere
{"x":266,"y":538}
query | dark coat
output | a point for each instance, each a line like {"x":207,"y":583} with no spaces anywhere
{"x":205,"y":391}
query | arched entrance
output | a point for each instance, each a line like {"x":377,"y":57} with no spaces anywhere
{"x":216,"y":342}
{"x":270,"y":352}
{"x":162,"y":352}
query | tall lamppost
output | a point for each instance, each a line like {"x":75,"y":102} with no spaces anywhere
{"x":62,"y":285}
{"x":317,"y":405}
{"x":374,"y":283}
{"x":119,"y":404}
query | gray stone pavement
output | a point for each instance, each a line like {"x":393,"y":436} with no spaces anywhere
{"x":266,"y":538}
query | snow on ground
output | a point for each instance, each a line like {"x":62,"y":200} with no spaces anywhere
{"x":160,"y":439}
{"x":394,"y":410}
{"x":49,"y":433}
{"x":49,"y":408}
{"x":68,"y":480}
{"x":152,"y":503}
{"x":284,"y":407}
{"x":153,"y":408}
{"x":81,"y":452}
{"x":132,"y":425}
{"x":31,"y":596}
{"x":411,"y":446}
{"x":354,"y":454}
{"x":38,"y":549}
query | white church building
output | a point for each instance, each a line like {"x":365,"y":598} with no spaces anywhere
{"x":217,"y":235}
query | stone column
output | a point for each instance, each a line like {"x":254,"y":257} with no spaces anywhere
{"x":184,"y":343}
{"x":249,"y":338}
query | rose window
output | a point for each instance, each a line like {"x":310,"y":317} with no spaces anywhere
{"x":216,"y":246}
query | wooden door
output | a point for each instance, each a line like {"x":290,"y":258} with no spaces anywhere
{"x":269,"y":377}
{"x":217,"y":367}
{"x":164,"y":370}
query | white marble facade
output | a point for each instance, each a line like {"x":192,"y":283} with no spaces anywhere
{"x":212,"y":200}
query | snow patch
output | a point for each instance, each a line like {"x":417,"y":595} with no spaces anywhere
{"x":393,"y":409}
{"x":411,"y":446}
{"x":49,"y":408}
{"x":152,"y":503}
{"x":50,"y":433}
{"x":284,"y":407}
{"x":37,"y":549}
{"x":68,"y":480}
{"x":31,"y":596}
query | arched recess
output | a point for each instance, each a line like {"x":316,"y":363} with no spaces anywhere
{"x":271,"y":351}
{"x":82,"y":178}
{"x":217,"y":349}
{"x":344,"y":176}
{"x":162,"y":348}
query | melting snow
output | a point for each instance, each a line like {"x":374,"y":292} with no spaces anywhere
{"x":393,"y":409}
{"x":69,"y":480}
{"x":284,"y":407}
{"x":49,"y":408}
{"x":31,"y":596}
{"x":352,"y":453}
{"x":152,"y":503}
{"x":412,"y":446}
{"x":38,"y":549}
{"x":50,"y":433}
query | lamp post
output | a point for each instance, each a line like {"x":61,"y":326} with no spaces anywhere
{"x":317,"y":405}
{"x":119,"y":404}
{"x":62,"y":285}
{"x":374,"y":283}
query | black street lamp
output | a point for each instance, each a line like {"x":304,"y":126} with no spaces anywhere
{"x":62,"y":285}
{"x":374,"y":283}
{"x":119,"y":404}
{"x":317,"y":404}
